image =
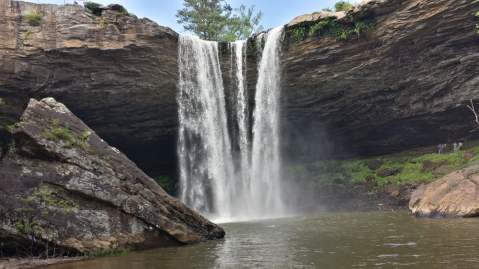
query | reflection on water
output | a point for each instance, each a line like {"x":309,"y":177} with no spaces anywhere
{"x":330,"y":241}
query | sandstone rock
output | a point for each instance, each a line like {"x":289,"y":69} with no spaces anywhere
{"x":454,"y":195}
{"x":81,"y":194}
{"x":315,"y":16}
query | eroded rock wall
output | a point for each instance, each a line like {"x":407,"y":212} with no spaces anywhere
{"x":403,"y":84}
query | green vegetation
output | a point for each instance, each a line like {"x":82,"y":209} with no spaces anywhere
{"x":11,"y":127}
{"x":385,"y":170}
{"x":95,"y":8}
{"x":343,"y":6}
{"x":57,"y":132}
{"x":33,"y":18}
{"x":28,"y":226}
{"x":217,"y":20}
{"x":330,"y":27}
{"x":49,"y":197}
{"x":165,"y":182}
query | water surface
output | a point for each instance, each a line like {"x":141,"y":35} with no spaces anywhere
{"x":329,"y":241}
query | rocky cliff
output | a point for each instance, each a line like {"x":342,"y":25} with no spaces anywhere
{"x":403,"y":83}
{"x":400,"y":84}
{"x":116,"y":72}
{"x":63,"y":186}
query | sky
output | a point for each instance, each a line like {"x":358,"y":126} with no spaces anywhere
{"x":275,"y":12}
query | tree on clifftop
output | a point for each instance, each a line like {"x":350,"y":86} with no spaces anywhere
{"x":217,"y":20}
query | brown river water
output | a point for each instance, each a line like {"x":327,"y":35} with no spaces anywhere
{"x":326,"y":241}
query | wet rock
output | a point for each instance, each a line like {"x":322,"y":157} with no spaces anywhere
{"x":61,"y":183}
{"x":454,"y":195}
{"x":388,"y":171}
{"x":430,"y":166}
{"x":374,"y":164}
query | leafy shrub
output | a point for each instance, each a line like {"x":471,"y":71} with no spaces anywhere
{"x":33,"y":18}
{"x":95,"y":8}
{"x":330,"y":27}
{"x":343,"y":6}
{"x":298,"y":34}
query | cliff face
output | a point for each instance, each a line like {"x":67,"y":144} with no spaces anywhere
{"x":402,"y":84}
{"x":118,"y":73}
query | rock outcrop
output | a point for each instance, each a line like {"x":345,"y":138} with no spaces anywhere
{"x":454,"y":195}
{"x":60,"y":183}
{"x":402,"y":84}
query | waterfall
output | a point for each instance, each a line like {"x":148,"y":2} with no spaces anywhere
{"x":266,"y":159}
{"x":222,"y":178}
{"x":242,"y":109}
{"x":204,"y":149}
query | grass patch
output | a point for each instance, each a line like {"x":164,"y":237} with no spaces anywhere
{"x":33,"y":18}
{"x":57,"y":132}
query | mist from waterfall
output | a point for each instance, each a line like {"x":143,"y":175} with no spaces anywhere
{"x":229,"y":177}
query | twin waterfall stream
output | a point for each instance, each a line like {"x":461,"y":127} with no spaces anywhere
{"x":229,"y":173}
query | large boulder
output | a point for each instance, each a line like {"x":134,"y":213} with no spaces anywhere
{"x":454,"y":195}
{"x":60,"y":183}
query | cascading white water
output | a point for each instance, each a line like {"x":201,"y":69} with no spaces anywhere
{"x":214,"y":179}
{"x":242,"y":112}
{"x":204,"y":148}
{"x":266,"y":159}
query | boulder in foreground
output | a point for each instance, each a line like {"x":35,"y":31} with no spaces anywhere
{"x":454,"y":195}
{"x":62,"y":186}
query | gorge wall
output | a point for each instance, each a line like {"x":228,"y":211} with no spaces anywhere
{"x":402,"y":84}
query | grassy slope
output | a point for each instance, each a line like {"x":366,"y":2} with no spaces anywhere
{"x":379,"y":171}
